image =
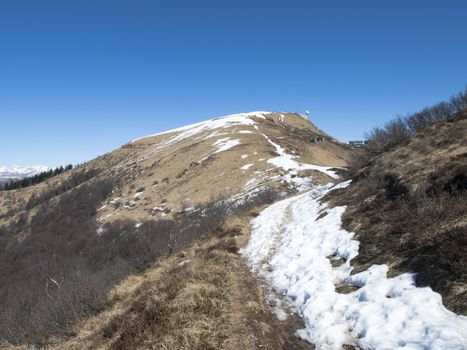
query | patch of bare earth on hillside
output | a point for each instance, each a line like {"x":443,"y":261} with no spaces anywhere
{"x":203,"y":297}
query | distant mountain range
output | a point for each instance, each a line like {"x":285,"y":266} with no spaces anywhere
{"x":17,"y":172}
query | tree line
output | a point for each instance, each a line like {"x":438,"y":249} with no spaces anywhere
{"x":401,"y":128}
{"x":63,"y":270}
{"x":32,"y":180}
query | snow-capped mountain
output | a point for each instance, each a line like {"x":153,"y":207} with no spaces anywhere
{"x":17,"y":172}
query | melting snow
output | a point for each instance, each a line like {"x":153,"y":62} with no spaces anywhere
{"x":290,"y":248}
{"x":212,"y":124}
{"x":246,"y":166}
{"x":225,"y":144}
{"x":287,"y":162}
{"x":299,"y":183}
{"x":114,"y":200}
{"x":251,"y":182}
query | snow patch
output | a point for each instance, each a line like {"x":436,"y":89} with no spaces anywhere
{"x":288,"y":162}
{"x":246,"y":166}
{"x":291,"y":248}
{"x":225,"y":144}
{"x":212,"y":124}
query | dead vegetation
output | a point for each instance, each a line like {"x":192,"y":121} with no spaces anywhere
{"x":67,"y":242}
{"x":408,"y":209}
{"x":201,"y":297}
{"x":401,"y":128}
{"x":195,"y":306}
{"x":62,"y":271}
{"x":185,"y":310}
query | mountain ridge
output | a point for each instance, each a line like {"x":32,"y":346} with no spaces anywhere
{"x":143,"y":242}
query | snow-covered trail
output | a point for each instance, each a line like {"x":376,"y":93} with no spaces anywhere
{"x":291,"y":247}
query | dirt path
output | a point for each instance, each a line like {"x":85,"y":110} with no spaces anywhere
{"x":254,"y":325}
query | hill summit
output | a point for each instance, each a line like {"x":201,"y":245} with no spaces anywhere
{"x":237,"y":154}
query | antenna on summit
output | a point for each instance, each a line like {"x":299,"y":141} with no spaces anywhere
{"x":307,"y":113}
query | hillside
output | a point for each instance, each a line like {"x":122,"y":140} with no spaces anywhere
{"x":190,"y":165}
{"x":240,"y":233}
{"x":66,"y":242}
{"x":357,"y":259}
{"x":409,"y":210}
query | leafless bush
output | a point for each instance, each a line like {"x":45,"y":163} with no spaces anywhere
{"x":76,"y":179}
{"x":415,"y":230}
{"x":45,"y":282}
{"x":62,"y":271}
{"x":400,"y":128}
{"x":360,"y":159}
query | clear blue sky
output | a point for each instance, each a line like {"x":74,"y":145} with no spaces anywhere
{"x":79,"y":78}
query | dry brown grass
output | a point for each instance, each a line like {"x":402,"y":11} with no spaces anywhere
{"x":173,"y":178}
{"x":200,"y":298}
{"x":184,"y":311}
{"x":408,"y":208}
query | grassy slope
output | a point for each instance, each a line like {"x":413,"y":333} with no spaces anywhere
{"x":202,"y":297}
{"x":408,"y":208}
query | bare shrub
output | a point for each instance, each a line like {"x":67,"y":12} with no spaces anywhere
{"x":62,"y":271}
{"x":76,"y":179}
{"x":45,"y":284}
{"x":414,"y":230}
{"x":400,"y":128}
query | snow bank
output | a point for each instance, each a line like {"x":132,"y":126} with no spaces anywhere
{"x":291,"y":247}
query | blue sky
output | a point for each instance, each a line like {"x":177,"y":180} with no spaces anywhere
{"x":80,"y":78}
